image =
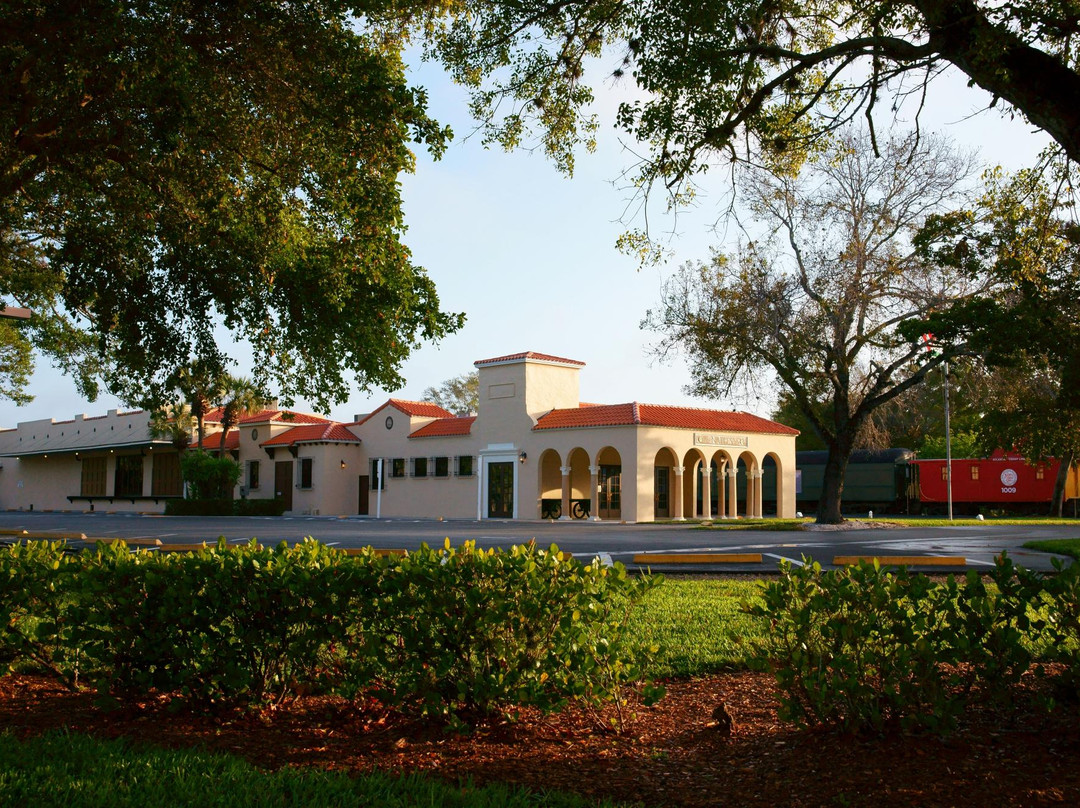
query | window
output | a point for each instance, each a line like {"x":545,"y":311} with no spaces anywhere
{"x":93,"y":476}
{"x":974,"y":472}
{"x":944,"y":472}
{"x":375,"y":474}
{"x":397,"y":467}
{"x":419,"y":467}
{"x":166,"y":480}
{"x":465,"y":466}
{"x":253,"y":475}
{"x":442,"y":466}
{"x":1040,"y":472}
{"x":128,"y":482}
{"x":305,"y":472}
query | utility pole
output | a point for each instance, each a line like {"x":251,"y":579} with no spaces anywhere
{"x":948,"y":443}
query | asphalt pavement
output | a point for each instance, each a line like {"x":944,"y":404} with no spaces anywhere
{"x":976,"y":545}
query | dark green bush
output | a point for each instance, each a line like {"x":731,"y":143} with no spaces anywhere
{"x":453,"y":633}
{"x":862,"y":648}
{"x":224,"y":507}
{"x":209,"y":476}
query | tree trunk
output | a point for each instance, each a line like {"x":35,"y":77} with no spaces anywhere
{"x":1057,"y":501}
{"x":832,"y":484}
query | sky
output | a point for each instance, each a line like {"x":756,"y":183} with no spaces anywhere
{"x":529,"y":255}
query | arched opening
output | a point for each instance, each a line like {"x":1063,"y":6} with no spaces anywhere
{"x":772,"y":485}
{"x":608,"y":484}
{"x":748,"y":486}
{"x":721,"y":488}
{"x":580,"y":484}
{"x":691,"y":494}
{"x":666,"y":485}
{"x":551,"y":485}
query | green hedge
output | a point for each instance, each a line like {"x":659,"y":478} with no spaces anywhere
{"x":863,"y":648}
{"x":448,"y":632}
{"x":224,"y":507}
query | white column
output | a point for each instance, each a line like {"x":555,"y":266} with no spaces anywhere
{"x":677,"y":494}
{"x":758,"y":489}
{"x":565,"y":493}
{"x":721,"y":492}
{"x":733,"y":492}
{"x":706,"y":491}
{"x":594,"y":493}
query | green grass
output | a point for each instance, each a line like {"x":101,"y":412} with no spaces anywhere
{"x":918,"y":521}
{"x":754,"y":524}
{"x":698,"y":626}
{"x":1067,"y":547}
{"x":61,"y":770}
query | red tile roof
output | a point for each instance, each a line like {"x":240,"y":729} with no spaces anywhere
{"x":271,"y":415}
{"x":313,"y":433}
{"x":414,"y":409}
{"x":212,"y":442}
{"x":445,"y":428}
{"x":518,"y":357}
{"x":654,"y":415}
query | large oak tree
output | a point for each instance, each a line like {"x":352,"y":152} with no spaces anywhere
{"x":816,"y":303}
{"x":171,"y":166}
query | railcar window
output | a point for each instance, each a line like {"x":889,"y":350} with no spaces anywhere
{"x":974,"y":472}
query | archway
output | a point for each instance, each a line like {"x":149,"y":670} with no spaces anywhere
{"x":749,"y":486}
{"x":578,"y":485}
{"x":550,"y":484}
{"x":691,"y":494}
{"x":667,"y":486}
{"x":772,"y":485}
{"x":608,"y":484}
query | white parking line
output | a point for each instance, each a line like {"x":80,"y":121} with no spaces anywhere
{"x":785,"y":558}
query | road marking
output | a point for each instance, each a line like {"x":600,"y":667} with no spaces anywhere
{"x":982,"y":563}
{"x":785,"y":558}
{"x":605,"y":559}
{"x":697,"y":558}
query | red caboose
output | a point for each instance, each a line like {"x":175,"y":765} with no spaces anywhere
{"x":1002,"y":479}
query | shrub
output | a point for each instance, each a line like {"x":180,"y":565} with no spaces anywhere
{"x":207,"y":476}
{"x":451,"y":633}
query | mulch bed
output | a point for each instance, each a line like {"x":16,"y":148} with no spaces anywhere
{"x":674,"y":754}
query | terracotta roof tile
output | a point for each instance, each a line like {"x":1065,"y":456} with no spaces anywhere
{"x":528,"y":355}
{"x":313,"y":433}
{"x":414,"y":409}
{"x":655,"y":415}
{"x":271,"y":416}
{"x":212,"y":442}
{"x":445,"y":428}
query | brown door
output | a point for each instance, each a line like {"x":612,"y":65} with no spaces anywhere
{"x":365,"y":484}
{"x":500,"y":490}
{"x":610,"y":494}
{"x":283,"y":482}
{"x":661,"y":493}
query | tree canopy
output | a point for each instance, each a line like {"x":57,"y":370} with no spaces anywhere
{"x":459,"y":394}
{"x":816,"y":303}
{"x":168,"y":167}
{"x":727,"y":77}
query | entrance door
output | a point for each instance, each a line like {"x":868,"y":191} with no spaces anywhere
{"x":283,"y":482}
{"x":610,"y":494}
{"x":500,"y":490}
{"x":662,"y":508}
{"x":365,"y":484}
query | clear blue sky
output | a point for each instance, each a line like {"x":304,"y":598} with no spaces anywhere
{"x":530,"y":257}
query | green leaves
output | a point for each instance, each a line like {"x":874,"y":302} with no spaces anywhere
{"x":165,"y":171}
{"x":864,"y":648}
{"x":448,"y":633}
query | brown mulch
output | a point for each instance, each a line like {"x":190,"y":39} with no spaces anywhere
{"x":673,"y":754}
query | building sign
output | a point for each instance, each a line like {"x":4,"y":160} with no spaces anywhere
{"x":702,"y":439}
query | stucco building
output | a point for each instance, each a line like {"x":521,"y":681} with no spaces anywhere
{"x":533,"y":450}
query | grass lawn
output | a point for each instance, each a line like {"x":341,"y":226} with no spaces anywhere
{"x":1068,"y":547}
{"x":754,"y":524}
{"x":698,"y":625}
{"x":918,"y":521}
{"x":61,"y":770}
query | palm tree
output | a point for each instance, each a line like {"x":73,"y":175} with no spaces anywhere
{"x":239,"y":397}
{"x":173,"y":422}
{"x":201,"y":388}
